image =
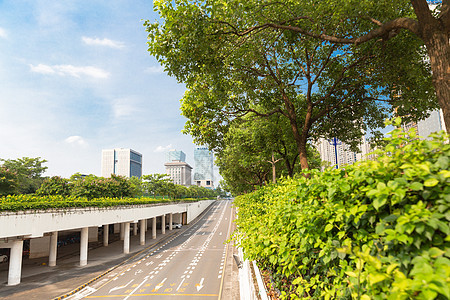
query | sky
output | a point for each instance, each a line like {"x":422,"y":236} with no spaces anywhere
{"x":76,"y":78}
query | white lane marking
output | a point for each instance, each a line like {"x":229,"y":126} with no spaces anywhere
{"x":180,"y":284}
{"x":120,"y":287}
{"x":83,"y":293}
{"x":200,"y":285}
{"x":145,"y":279}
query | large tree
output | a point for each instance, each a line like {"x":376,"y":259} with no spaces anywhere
{"x":322,"y":89}
{"x":355,"y":22}
{"x":28,"y":171}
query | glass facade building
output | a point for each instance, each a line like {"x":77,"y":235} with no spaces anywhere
{"x":204,"y":160}
{"x":174,"y":155}
{"x":124,"y":162}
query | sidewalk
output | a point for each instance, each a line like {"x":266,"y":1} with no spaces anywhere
{"x":39,"y":281}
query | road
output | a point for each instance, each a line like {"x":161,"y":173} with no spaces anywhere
{"x":189,"y":265}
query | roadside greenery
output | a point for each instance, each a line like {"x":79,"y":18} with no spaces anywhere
{"x":34,"y":202}
{"x":374,"y":230}
{"x":27,"y":175}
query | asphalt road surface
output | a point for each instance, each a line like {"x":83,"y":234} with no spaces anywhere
{"x":187,"y":266}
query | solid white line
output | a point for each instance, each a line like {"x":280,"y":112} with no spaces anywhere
{"x":145,"y":279}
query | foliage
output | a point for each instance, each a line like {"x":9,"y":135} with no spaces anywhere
{"x":233,"y":68}
{"x":34,"y":202}
{"x":8,"y":181}
{"x":376,"y":230}
{"x":54,"y":186}
{"x":29,"y":172}
{"x":98,"y":187}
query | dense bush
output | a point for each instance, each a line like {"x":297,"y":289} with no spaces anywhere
{"x":376,"y":230}
{"x":33,"y":202}
{"x":54,"y":186}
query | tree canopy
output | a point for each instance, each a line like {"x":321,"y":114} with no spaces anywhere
{"x":232,"y":68}
{"x":28,"y":172}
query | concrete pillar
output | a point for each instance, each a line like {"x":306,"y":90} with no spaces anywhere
{"x":154,"y":228}
{"x":135,"y":227}
{"x":15,"y":263}
{"x":40,"y":247}
{"x":117,"y":228}
{"x":122,"y":231}
{"x":93,"y":234}
{"x":163,"y":224}
{"x":126,"y":238}
{"x":53,"y":249}
{"x":84,"y":246}
{"x":105,"y":235}
{"x":142,"y":232}
{"x":146,"y":225}
{"x":170,"y":221}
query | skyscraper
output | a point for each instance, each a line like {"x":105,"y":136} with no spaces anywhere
{"x":174,"y":155}
{"x":329,"y":152}
{"x":119,"y":161}
{"x":179,"y":172}
{"x":203,"y":175}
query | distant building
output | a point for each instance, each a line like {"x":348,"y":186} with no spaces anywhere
{"x":434,"y":123}
{"x":174,"y":155}
{"x":124,"y":162}
{"x":179,"y":172}
{"x":329,"y":152}
{"x":203,"y":175}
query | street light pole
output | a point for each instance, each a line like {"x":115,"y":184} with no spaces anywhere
{"x":335,"y":142}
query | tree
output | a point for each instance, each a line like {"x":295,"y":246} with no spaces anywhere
{"x":320,"y":89}
{"x":363,"y":23}
{"x":8,"y":182}
{"x":55,"y":186}
{"x":156,"y":184}
{"x":29,"y":172}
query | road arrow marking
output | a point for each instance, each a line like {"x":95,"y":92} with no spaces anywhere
{"x":145,"y":279}
{"x":120,"y":287}
{"x":200,"y":285}
{"x":157,"y":287}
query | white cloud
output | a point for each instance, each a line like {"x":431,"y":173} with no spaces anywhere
{"x":3,"y":33}
{"x":76,"y":140}
{"x":74,"y":71}
{"x":124,"y":107}
{"x":103,"y":42}
{"x":154,"y":70}
{"x":163,"y":149}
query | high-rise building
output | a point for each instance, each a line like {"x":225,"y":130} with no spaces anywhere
{"x":124,"y":162}
{"x":203,"y":175}
{"x":179,"y":172}
{"x":174,"y":155}
{"x":329,"y":152}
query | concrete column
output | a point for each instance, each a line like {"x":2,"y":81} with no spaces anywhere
{"x":135,"y":227}
{"x":142,"y":232}
{"x":105,"y":235}
{"x":15,"y":263}
{"x":126,"y":238}
{"x":93,"y":234}
{"x":116,"y":228}
{"x":146,"y":225}
{"x":39,"y":247}
{"x":170,"y":221}
{"x":163,"y":224}
{"x":53,"y":249}
{"x":154,"y":228}
{"x":122,"y":231}
{"x":84,"y":246}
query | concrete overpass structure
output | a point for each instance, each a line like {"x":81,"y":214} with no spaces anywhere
{"x":42,"y":228}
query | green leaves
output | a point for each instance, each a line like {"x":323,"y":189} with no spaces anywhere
{"x":378,"y":231}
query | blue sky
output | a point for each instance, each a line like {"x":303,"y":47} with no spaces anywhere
{"x":76,"y":78}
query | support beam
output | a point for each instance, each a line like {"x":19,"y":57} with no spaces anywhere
{"x":142,"y":232}
{"x":163,"y":224}
{"x":53,"y":249}
{"x":122,"y":231}
{"x":126,"y":238}
{"x":135,"y":229}
{"x":84,"y":246}
{"x":105,"y":235}
{"x":15,"y":263}
{"x":154,"y":228}
{"x":170,"y":221}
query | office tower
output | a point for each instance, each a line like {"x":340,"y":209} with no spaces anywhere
{"x":329,"y":152}
{"x":124,"y":162}
{"x":179,"y":172}
{"x":174,"y":155}
{"x":203,"y":175}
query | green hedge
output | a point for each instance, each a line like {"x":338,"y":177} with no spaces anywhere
{"x":34,"y":202}
{"x":376,"y":230}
